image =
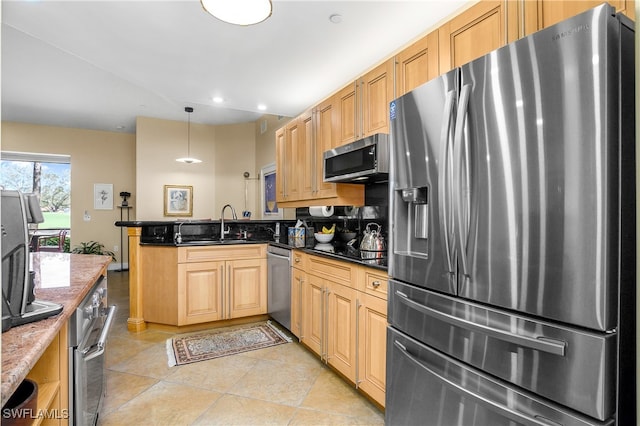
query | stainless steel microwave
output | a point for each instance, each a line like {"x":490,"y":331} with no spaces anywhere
{"x":365,"y":160}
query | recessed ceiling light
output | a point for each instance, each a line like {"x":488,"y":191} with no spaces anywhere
{"x":335,"y":18}
{"x":217,"y":99}
{"x":262,"y":107}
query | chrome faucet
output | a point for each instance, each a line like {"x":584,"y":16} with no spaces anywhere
{"x":233,"y":214}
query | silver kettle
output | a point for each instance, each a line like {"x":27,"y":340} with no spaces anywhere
{"x":373,"y":245}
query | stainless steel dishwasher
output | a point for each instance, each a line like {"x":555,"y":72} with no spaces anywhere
{"x":279,"y":284}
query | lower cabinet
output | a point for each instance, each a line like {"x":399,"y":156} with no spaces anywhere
{"x":192,"y":285}
{"x":212,"y":291}
{"x":343,"y":314}
{"x":372,"y":346}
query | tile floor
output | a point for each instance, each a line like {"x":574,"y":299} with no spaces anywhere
{"x":281,"y":385}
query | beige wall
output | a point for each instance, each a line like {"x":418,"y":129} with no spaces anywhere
{"x":226,"y":153}
{"x":96,"y":157}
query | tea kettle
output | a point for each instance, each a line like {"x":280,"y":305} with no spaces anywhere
{"x":373,"y":245}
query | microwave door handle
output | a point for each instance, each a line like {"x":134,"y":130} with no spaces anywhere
{"x":459,"y":140}
{"x":443,"y":178}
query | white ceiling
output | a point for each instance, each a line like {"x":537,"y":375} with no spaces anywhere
{"x":99,"y":64}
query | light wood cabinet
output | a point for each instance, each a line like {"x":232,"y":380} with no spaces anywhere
{"x":544,"y":13}
{"x":288,"y":161}
{"x":341,"y":328}
{"x":313,"y":314}
{"x":417,"y":64}
{"x":344,"y":318}
{"x":246,"y":287}
{"x":363,"y":107}
{"x":305,"y":139}
{"x":51,"y":373}
{"x":193,"y":285}
{"x":298,"y":277}
{"x":372,"y":346}
{"x":200,"y":295}
{"x":475,"y":32}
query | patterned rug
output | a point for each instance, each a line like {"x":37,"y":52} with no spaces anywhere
{"x":211,"y":344}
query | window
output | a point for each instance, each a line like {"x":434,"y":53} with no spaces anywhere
{"x":45,"y":174}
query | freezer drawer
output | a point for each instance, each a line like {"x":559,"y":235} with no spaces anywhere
{"x":427,"y":387}
{"x":570,"y":366}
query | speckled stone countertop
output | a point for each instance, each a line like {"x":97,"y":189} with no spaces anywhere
{"x":60,"y":278}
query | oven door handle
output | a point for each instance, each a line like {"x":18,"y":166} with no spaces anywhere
{"x":98,"y":348}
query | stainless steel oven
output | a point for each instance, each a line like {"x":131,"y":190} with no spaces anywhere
{"x":88,"y":330}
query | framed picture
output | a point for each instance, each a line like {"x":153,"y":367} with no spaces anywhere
{"x":103,"y":196}
{"x":270,"y":208}
{"x":178,"y":200}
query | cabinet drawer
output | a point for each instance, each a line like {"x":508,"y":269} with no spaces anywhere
{"x":374,"y":282}
{"x":298,"y":260}
{"x":223,"y":252}
{"x":334,"y":270}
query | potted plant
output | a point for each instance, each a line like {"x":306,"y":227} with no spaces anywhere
{"x":93,"y":247}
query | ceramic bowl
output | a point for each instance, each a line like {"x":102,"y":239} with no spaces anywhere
{"x":323,"y":238}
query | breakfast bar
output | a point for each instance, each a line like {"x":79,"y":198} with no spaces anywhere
{"x":60,"y":278}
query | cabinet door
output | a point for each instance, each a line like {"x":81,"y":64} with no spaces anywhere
{"x":473,"y":33}
{"x":281,"y":166}
{"x":341,"y":335}
{"x":200,"y":292}
{"x":313,"y":317}
{"x":246,"y":288}
{"x":347,"y":122}
{"x":417,"y":64}
{"x":377,"y":91}
{"x":293,"y":155}
{"x":550,"y":12}
{"x":308,"y":173}
{"x":298,"y":278}
{"x":326,"y":139}
{"x":372,"y":346}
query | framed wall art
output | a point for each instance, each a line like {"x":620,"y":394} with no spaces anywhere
{"x":103,"y":196}
{"x":178,"y":200}
{"x":270,"y":208}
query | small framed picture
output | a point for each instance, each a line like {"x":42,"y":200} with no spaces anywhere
{"x":270,"y":208}
{"x":103,"y":196}
{"x":178,"y":200}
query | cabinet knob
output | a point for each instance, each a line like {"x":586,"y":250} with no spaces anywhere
{"x":297,"y":260}
{"x":376,"y":284}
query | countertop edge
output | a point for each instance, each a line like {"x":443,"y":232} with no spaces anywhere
{"x":32,"y":339}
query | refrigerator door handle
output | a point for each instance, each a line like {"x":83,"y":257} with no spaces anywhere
{"x":460,"y":191}
{"x":492,"y":405}
{"x":539,"y":343}
{"x":443,"y":179}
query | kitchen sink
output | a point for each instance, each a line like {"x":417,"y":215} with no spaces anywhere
{"x":213,"y":242}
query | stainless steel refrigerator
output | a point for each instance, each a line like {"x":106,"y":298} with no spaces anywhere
{"x":512,"y":249}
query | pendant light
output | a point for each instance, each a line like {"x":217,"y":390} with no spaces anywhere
{"x":238,"y":12}
{"x":188,"y":159}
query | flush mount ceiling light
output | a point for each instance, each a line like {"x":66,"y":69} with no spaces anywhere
{"x":188,"y":159}
{"x":238,"y":12}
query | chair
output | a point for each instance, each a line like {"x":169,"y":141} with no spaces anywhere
{"x":42,"y":242}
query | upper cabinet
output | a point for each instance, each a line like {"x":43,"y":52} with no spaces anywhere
{"x":544,"y":13}
{"x":417,"y":64}
{"x":364,"y":105}
{"x":477,"y":31}
{"x":288,"y":165}
{"x":299,"y":162}
{"x":361,"y":109}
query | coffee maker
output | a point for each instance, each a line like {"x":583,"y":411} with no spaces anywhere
{"x":19,"y":305}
